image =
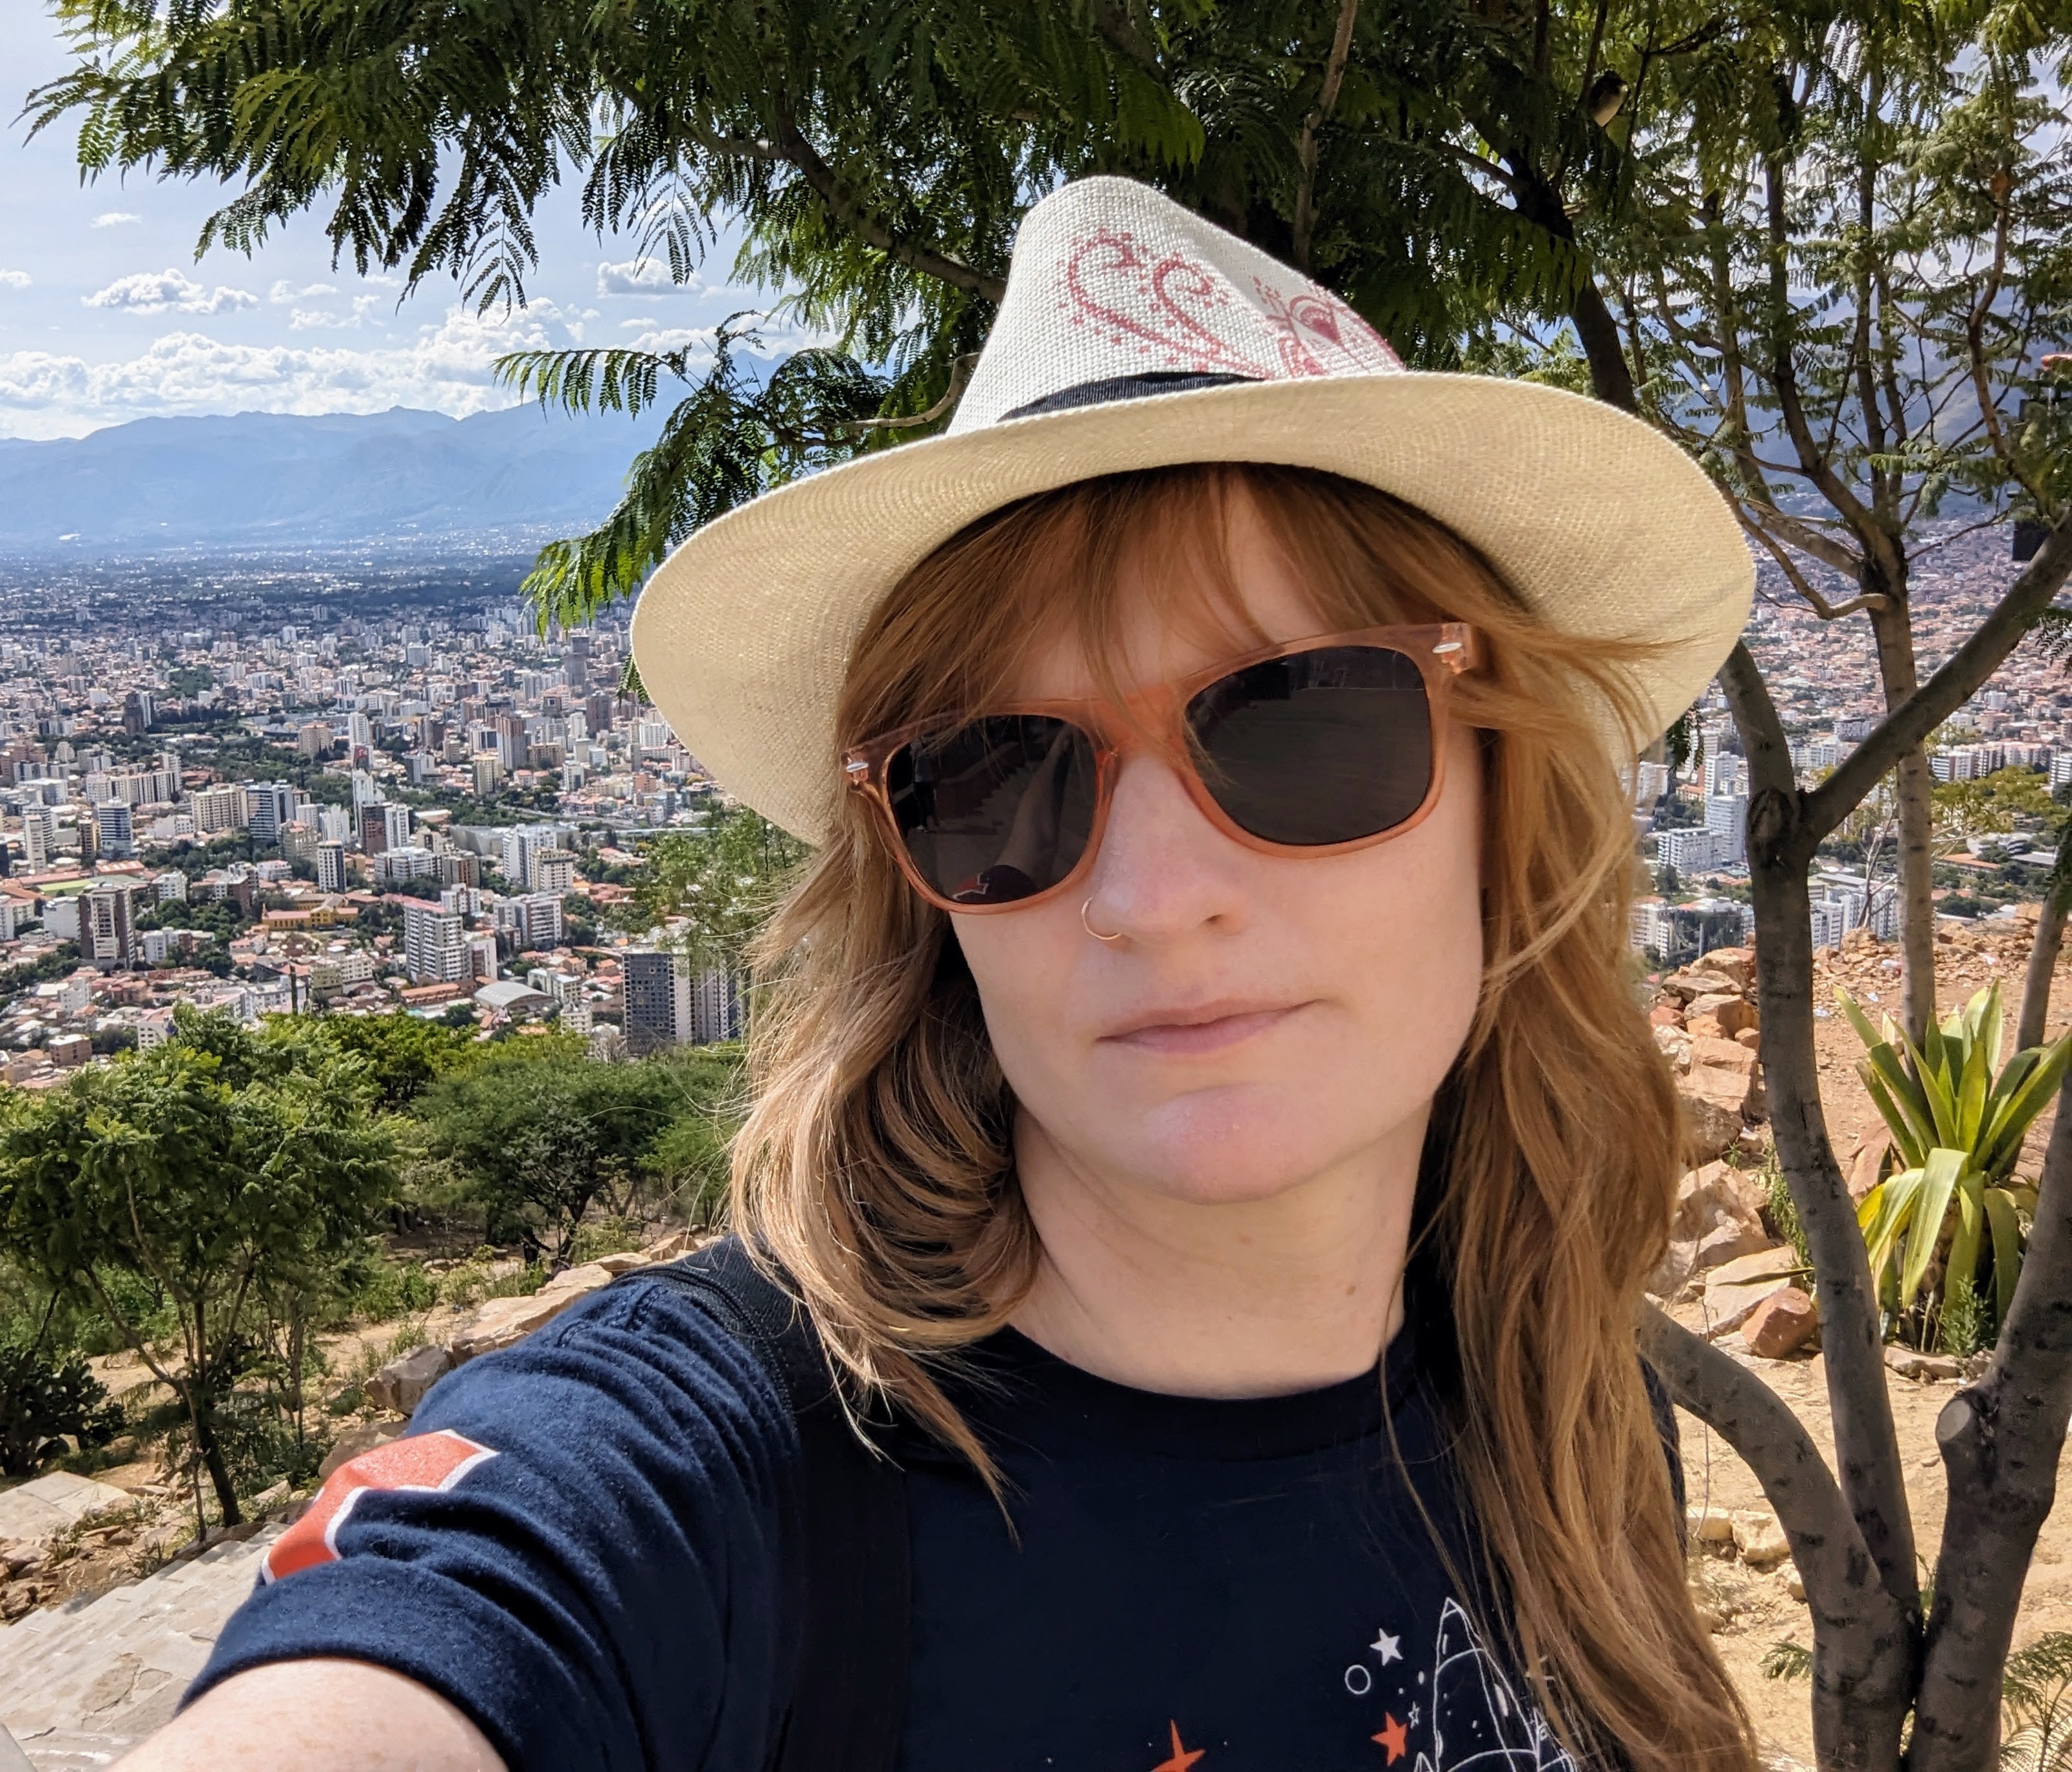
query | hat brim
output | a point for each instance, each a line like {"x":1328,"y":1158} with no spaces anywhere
{"x":1605,"y":528}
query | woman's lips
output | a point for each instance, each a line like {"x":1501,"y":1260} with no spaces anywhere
{"x":1184,"y":1033}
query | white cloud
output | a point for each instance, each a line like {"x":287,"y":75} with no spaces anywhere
{"x":115,"y":218}
{"x":15,"y":280}
{"x":284,"y":292}
{"x":672,"y":337}
{"x":168,"y":291}
{"x":447,"y":367}
{"x":643,"y":276}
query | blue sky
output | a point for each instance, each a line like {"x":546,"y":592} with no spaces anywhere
{"x":105,"y":315}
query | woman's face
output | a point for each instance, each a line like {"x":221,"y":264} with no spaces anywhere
{"x":1264,"y":1018}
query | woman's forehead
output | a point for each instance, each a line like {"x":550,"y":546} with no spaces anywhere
{"x":1168,"y":616}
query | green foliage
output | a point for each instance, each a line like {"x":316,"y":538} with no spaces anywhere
{"x":2036,"y":1698}
{"x":537,"y":1132}
{"x":402,"y":1053}
{"x":1957,"y":1119}
{"x":1783,"y":1209}
{"x":1988,"y":804}
{"x":722,"y":880}
{"x":225,"y":1173}
{"x":43,"y":1394}
{"x":1787,"y":1660}
{"x":690,"y":1155}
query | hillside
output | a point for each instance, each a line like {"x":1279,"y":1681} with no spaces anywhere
{"x":275,"y":477}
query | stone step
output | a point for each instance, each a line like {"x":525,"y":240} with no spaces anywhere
{"x":79,"y":1687}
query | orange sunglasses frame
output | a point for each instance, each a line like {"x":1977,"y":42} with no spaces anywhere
{"x":1441,"y":650}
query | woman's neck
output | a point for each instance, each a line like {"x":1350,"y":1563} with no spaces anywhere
{"x":1253,"y":1298}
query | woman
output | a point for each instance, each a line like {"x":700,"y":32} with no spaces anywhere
{"x":1200,"y":1101}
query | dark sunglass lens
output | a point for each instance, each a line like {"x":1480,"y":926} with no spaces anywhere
{"x":1320,"y":747}
{"x":998,"y":810}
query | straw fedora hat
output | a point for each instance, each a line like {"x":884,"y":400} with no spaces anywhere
{"x":1135,"y":335}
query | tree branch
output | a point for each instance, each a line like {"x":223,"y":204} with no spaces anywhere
{"x":1910,"y":723}
{"x":1327,"y":98}
{"x":1861,"y":1639}
{"x":1826,"y":610}
{"x":846,"y":204}
{"x":1866,"y":1444}
{"x":1113,"y":25}
{"x":2000,"y":1440}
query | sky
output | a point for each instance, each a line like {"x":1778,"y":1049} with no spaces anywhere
{"x":106,"y":314}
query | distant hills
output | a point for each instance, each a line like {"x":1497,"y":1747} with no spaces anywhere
{"x":257,"y":480}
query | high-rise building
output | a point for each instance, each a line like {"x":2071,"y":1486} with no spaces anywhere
{"x":269,"y":808}
{"x":658,"y":1000}
{"x":488,"y":774}
{"x":435,"y":949}
{"x":107,"y":923}
{"x":554,"y":870}
{"x":170,"y":887}
{"x":114,"y":831}
{"x":537,"y":919}
{"x":220,"y":809}
{"x":314,"y":740}
{"x":334,"y":825}
{"x":374,"y":827}
{"x":716,"y":1005}
{"x":395,"y":818}
{"x":40,"y":837}
{"x":460,"y":867}
{"x":330,"y":867}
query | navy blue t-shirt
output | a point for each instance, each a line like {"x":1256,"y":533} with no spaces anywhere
{"x":579,"y":1543}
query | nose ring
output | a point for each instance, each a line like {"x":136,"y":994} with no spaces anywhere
{"x":1086,"y":922}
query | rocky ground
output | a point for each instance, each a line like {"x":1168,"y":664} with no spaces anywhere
{"x":92,"y":1578}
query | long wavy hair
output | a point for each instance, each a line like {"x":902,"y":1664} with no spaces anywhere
{"x":875,"y":1166}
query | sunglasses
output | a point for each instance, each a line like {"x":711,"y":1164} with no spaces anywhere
{"x":1316,"y":748}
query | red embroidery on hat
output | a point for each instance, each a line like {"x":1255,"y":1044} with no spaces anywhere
{"x":1311,"y":319}
{"x":1166,"y":304}
{"x":425,"y":1461}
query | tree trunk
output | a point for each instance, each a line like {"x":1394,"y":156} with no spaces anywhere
{"x":2042,"y":968}
{"x":1858,"y":1710}
{"x":1914,"y":787}
{"x":2000,"y":1440}
{"x":201,"y":1414}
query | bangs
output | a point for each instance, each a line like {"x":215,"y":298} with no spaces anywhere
{"x":956,"y":635}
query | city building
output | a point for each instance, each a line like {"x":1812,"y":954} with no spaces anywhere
{"x":39,"y":838}
{"x":554,"y":870}
{"x":658,"y":1001}
{"x":107,"y":923}
{"x":434,"y":944}
{"x":716,"y":1005}
{"x":330,"y":867}
{"x":114,"y":831}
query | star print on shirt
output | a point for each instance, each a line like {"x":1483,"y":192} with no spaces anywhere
{"x":1182,"y":1757}
{"x":1388,"y":1648}
{"x":1395,"y":1738}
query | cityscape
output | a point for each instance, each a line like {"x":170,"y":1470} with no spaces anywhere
{"x":1823,"y":677}
{"x":347,"y":786}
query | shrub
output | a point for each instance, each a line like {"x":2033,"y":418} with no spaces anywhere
{"x":43,"y":1396}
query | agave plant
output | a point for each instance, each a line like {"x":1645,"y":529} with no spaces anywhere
{"x":1957,"y":1120}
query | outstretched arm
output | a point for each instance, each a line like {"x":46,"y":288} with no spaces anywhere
{"x":317,"y":1716}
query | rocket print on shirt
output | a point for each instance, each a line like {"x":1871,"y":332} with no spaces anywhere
{"x":1461,"y":1714}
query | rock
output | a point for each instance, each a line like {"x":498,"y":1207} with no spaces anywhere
{"x":1673,"y":1273}
{"x":1730,"y":1014}
{"x":270,"y":1498}
{"x":364,"y":1437}
{"x":1733,"y":1289}
{"x":1666,"y":1015}
{"x":401,"y":1385}
{"x":1737,"y":964}
{"x":1794,"y":1583}
{"x":625,"y":1262}
{"x":1692,"y":985}
{"x":1709,"y":1129}
{"x":1726,"y":1073}
{"x":1674,"y":1044}
{"x":1751,"y":1038}
{"x":1909,"y":1364}
{"x":1759,"y":1538}
{"x":1704,"y":1027}
{"x":1782,"y":1324}
{"x":676,"y":1243}
{"x":1868,"y":1169}
{"x":48,"y":1506}
{"x":1709,"y":1525}
{"x":503,"y":1322}
{"x":1728,"y":1242}
{"x":1713,"y":1194}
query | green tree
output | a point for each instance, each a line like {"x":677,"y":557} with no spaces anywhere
{"x":403,"y":1054}
{"x":716,"y":884}
{"x":219,"y":1167}
{"x":536,"y":1133}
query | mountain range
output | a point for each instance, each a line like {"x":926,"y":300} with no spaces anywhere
{"x":263,"y":479}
